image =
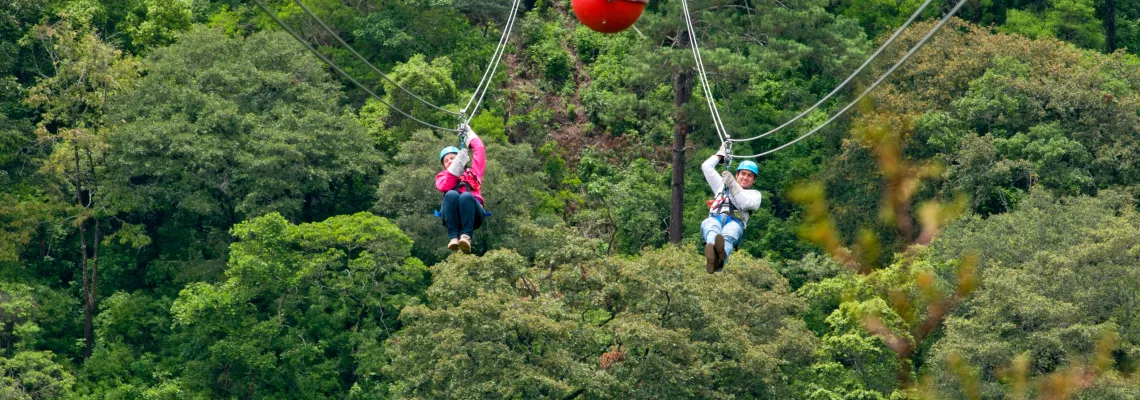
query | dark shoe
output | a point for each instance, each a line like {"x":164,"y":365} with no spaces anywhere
{"x":465,"y":244}
{"x":721,"y":256}
{"x":710,"y":258}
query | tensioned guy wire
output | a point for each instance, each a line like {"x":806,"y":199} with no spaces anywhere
{"x":288,"y":29}
{"x":875,"y":84}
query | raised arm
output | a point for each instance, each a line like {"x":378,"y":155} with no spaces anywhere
{"x":708,"y":168}
{"x":478,"y":157}
{"x":478,"y":152}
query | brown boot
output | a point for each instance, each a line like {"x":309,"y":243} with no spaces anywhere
{"x":710,"y":258}
{"x":721,"y":256}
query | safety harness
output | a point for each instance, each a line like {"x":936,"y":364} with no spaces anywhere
{"x":474,"y":184}
{"x":721,"y":207}
{"x":724,"y":210}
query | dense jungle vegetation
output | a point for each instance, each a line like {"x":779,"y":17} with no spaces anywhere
{"x":194,"y":206}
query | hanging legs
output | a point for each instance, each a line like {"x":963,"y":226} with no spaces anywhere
{"x":469,"y":211}
{"x":451,"y":215}
{"x":721,"y":236}
{"x":461,"y":213}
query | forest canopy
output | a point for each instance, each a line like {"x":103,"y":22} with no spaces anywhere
{"x":194,"y":205}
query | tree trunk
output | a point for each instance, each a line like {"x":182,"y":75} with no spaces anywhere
{"x":682,"y":91}
{"x":88,"y":301}
{"x":94,"y":272}
{"x":1110,"y":25}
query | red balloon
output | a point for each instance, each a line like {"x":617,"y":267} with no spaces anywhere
{"x":608,"y":16}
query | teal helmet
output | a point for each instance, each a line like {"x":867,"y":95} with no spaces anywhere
{"x":750,"y":166}
{"x":447,"y":150}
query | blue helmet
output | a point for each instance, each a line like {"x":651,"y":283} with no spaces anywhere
{"x":447,"y":150}
{"x":750,"y":166}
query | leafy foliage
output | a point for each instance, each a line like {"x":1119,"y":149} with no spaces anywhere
{"x":497,"y":326}
{"x":213,"y":117}
{"x":181,"y":187}
{"x":1060,"y":281}
{"x":303,"y":307}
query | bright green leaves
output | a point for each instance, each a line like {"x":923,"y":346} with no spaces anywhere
{"x":1073,"y":21}
{"x":88,"y":71}
{"x":160,"y":24}
{"x":225,"y":128}
{"x":432,"y":82}
{"x":864,"y":322}
{"x":29,"y":317}
{"x":33,"y":375}
{"x":649,"y":327}
{"x":1012,"y":113}
{"x":1056,"y":158}
{"x":301,"y":304}
{"x":991,"y":105}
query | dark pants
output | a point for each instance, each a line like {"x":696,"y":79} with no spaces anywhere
{"x":461,"y":213}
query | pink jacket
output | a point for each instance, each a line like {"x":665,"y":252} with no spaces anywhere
{"x":472,"y":175}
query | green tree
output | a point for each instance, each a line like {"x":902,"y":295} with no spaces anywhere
{"x":627,"y":206}
{"x":221,"y":129}
{"x":572,"y":324}
{"x":159,"y":23}
{"x":74,"y":104}
{"x":432,"y":82}
{"x":29,"y":315}
{"x":1003,"y":116}
{"x":304,"y":309}
{"x":134,"y":350}
{"x":1069,"y":20}
{"x":1056,"y":275}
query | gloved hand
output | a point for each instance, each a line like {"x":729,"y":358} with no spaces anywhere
{"x":730,"y":182}
{"x":468,"y":136}
{"x":722,"y":153}
{"x":459,"y":163}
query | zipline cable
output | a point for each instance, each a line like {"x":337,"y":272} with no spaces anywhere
{"x":366,"y":62}
{"x":849,"y":78}
{"x":722,"y":133}
{"x":489,"y":73}
{"x":499,"y":48}
{"x":341,"y":71}
{"x":909,"y":53}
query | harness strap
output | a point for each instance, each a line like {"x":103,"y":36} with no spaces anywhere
{"x":733,"y":213}
{"x":462,"y":183}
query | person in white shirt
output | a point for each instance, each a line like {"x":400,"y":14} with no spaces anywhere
{"x":729,"y":210}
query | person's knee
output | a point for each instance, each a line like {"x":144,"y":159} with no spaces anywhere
{"x":734,"y":230}
{"x":451,"y":195}
{"x":467,"y":196}
{"x":709,"y":223}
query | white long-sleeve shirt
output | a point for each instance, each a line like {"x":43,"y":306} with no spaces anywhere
{"x":746,"y":201}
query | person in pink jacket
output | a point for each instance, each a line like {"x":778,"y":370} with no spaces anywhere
{"x":460,"y":182}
